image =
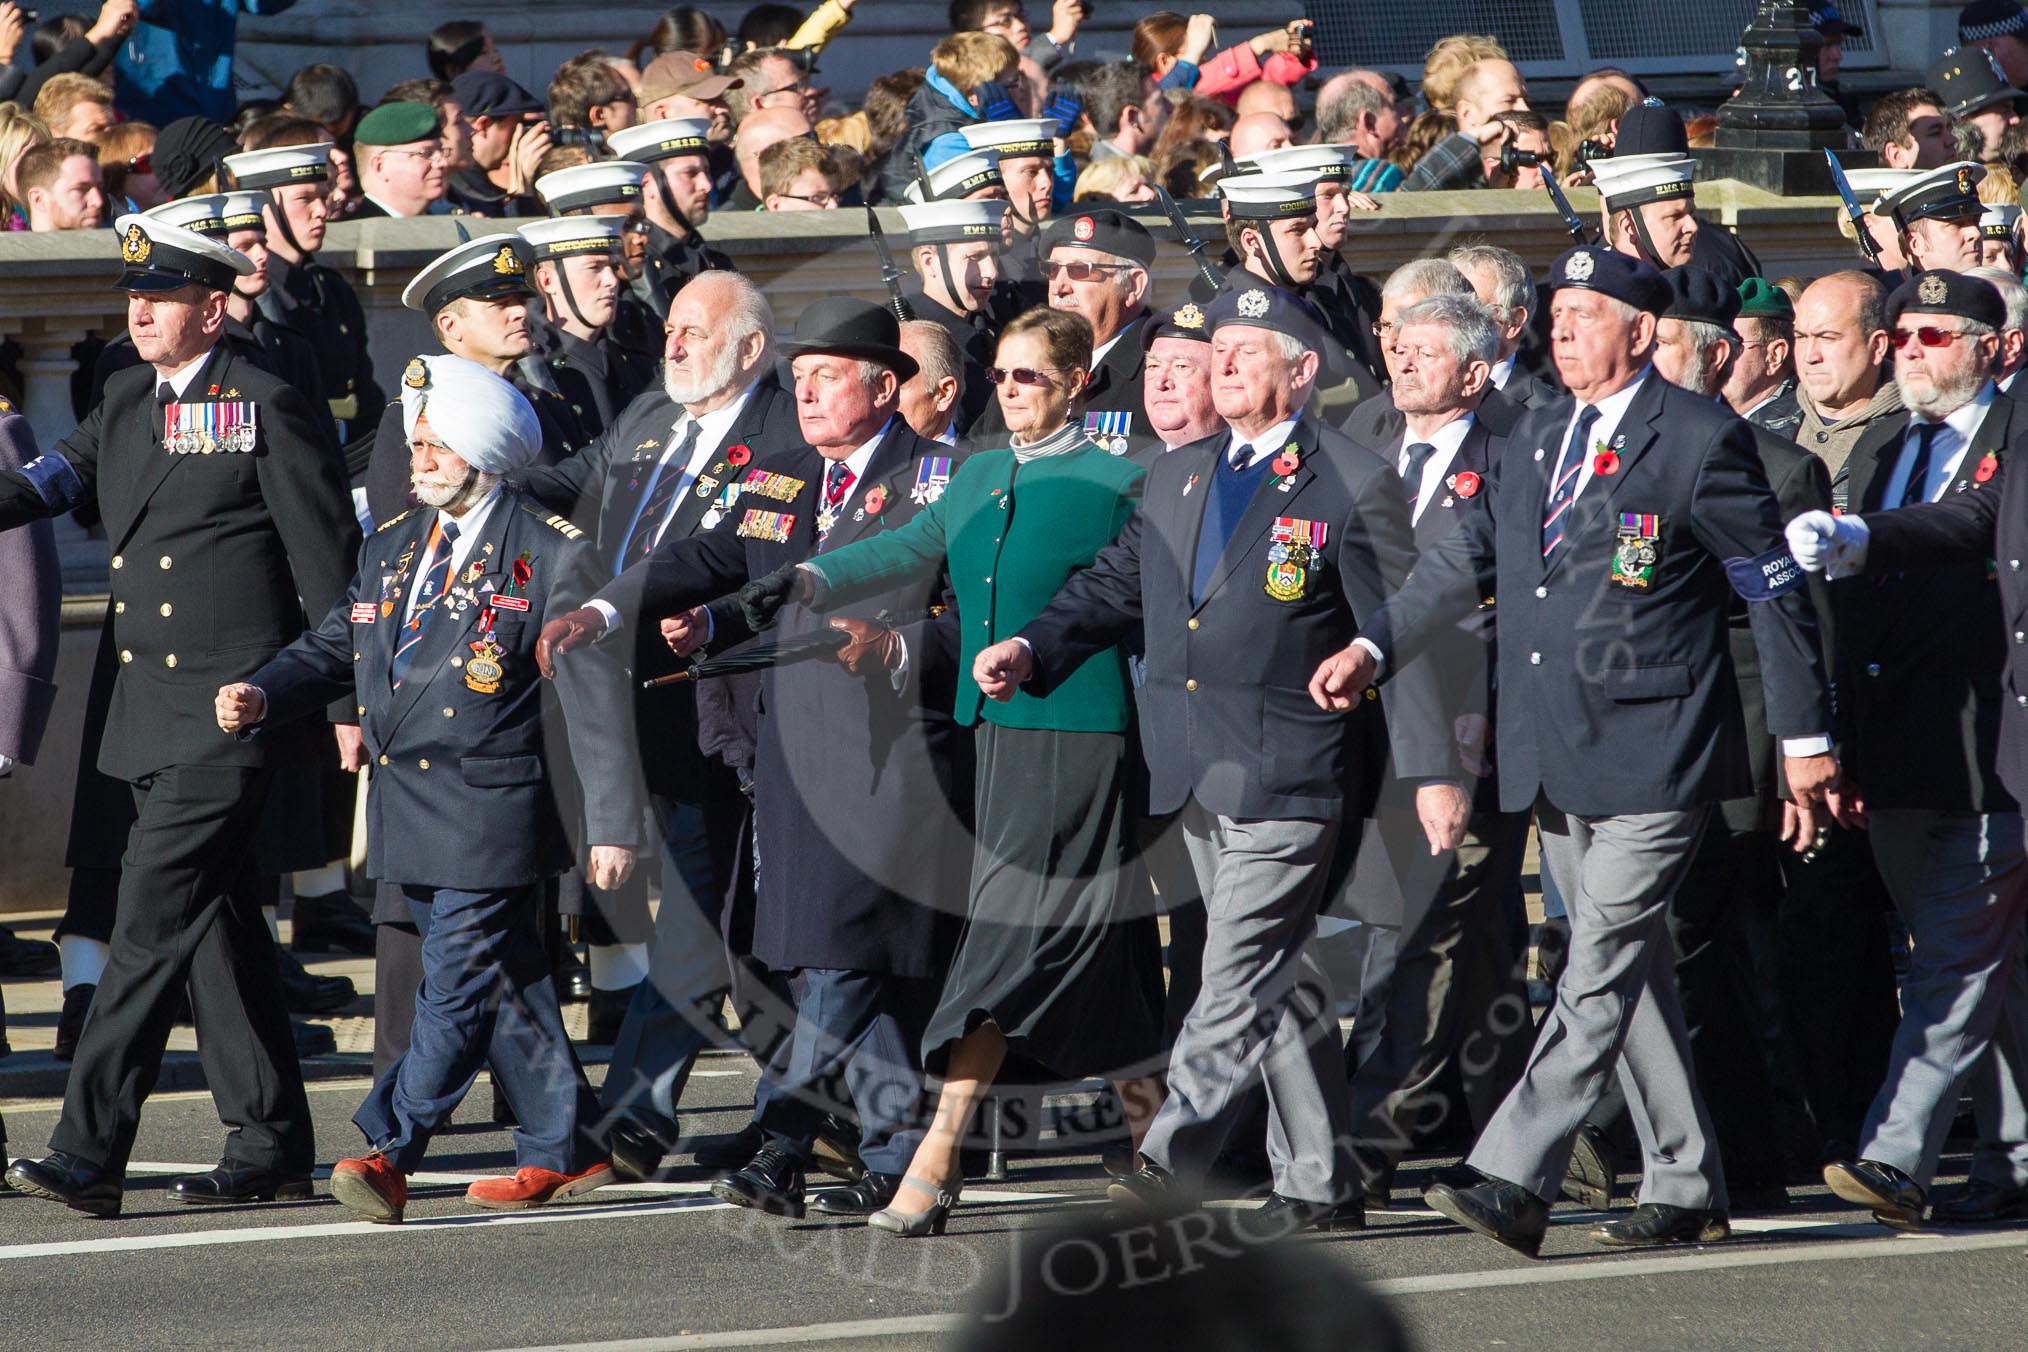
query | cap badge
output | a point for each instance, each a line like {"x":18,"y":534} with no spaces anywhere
{"x":507,"y":263}
{"x":1253,"y":304}
{"x":136,"y":247}
{"x":1932,"y":290}
{"x":417,"y":374}
{"x":1083,"y":229}
{"x":1578,"y":269}
{"x":1189,"y":317}
{"x":1964,"y":180}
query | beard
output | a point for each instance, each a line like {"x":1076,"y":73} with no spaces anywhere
{"x":719,"y":374}
{"x":1941,"y":397}
{"x":454,"y":495}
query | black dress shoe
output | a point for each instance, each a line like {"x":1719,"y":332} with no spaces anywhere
{"x":607,"y":1012}
{"x":77,"y":1002}
{"x":304,"y":992}
{"x":1659,"y":1223}
{"x":313,"y":1039}
{"x":735,"y":1150}
{"x":233,"y":1181}
{"x":77,"y":1183}
{"x":573,"y":978}
{"x":1593,"y":1171}
{"x":1980,"y":1203}
{"x":870,"y":1194}
{"x":1459,"y":1175}
{"x":636,"y":1150}
{"x":26,"y":957}
{"x":771,"y":1182}
{"x":1281,"y":1216}
{"x":1496,"y":1209}
{"x":1377,"y":1193}
{"x":1148,"y":1188}
{"x":1896,"y":1200}
{"x":836,"y":1151}
{"x":331,"y":923}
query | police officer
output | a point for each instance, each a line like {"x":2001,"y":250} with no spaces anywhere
{"x":1936,"y":217}
{"x":304,"y":295}
{"x":957,"y":247}
{"x":227,"y":517}
{"x":675,"y":202}
{"x":577,"y":275}
{"x":436,"y":635}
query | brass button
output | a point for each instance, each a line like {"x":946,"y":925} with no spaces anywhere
{"x":362,"y":710}
{"x":119,"y":562}
{"x":450,"y":713}
{"x":126,"y":656}
{"x":1371,"y":693}
{"x":119,"y":607}
{"x":169,"y":660}
{"x":355,"y":657}
{"x":1190,"y":685}
{"x":423,"y":764}
{"x":383,"y":760}
{"x":167,"y":610}
{"x":166,"y":561}
{"x":457,"y":661}
{"x":1194,"y":622}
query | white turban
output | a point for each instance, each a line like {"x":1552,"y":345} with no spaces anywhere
{"x":490,"y":424}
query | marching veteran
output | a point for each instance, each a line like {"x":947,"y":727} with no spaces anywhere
{"x":438,"y":634}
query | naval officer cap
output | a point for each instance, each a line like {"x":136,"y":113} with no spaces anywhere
{"x":603,"y":183}
{"x":572,"y":236}
{"x":217,"y":214}
{"x":1016,"y":138}
{"x":486,"y":267}
{"x":279,"y":166}
{"x":1997,"y":221}
{"x":1629,"y":181}
{"x":1938,"y":292}
{"x":1270,"y":197}
{"x":954,"y":222}
{"x":651,"y":142}
{"x":954,"y":170}
{"x":1870,"y":185}
{"x":1256,"y":305}
{"x":1107,"y":230}
{"x":1949,"y":192}
{"x":489,"y":424}
{"x":1610,"y":273}
{"x":1187,"y":322}
{"x":158,"y":256}
{"x":397,"y":124}
{"x":1698,"y":296}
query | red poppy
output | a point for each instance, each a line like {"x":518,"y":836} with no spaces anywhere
{"x":1988,"y":467}
{"x":522,"y":572}
{"x":738,"y":455}
{"x":1605,"y":462}
{"x":876,"y":501}
{"x":1466,"y":484}
{"x":1285,"y":464}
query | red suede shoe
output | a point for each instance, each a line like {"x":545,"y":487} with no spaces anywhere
{"x":537,"y":1187}
{"x":372,"y":1188}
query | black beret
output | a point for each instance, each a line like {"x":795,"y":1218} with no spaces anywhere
{"x":1700,"y":297}
{"x":1621,"y":276}
{"x":1249,"y":301}
{"x":485,"y":93}
{"x":1187,"y":322}
{"x":1105,"y":229}
{"x":188,"y":151}
{"x":1948,"y":293}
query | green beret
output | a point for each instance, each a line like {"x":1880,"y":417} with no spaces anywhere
{"x":396,"y":124}
{"x":1762,"y":299}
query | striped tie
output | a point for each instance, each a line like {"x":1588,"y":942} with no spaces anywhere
{"x":838,"y":481}
{"x":1563,"y":486}
{"x":655,"y":511}
{"x":436,"y":576}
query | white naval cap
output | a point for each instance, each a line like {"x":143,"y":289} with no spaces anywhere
{"x":570,"y":236}
{"x":1015,"y":138}
{"x":1628,"y":181}
{"x":279,"y":166}
{"x":491,"y":265}
{"x":1270,"y":197}
{"x":1948,"y":192}
{"x":160,"y":256}
{"x":603,"y":183}
{"x":1332,"y":162}
{"x":957,"y":222}
{"x":661,"y":140}
{"x":216,"y":214}
{"x":492,"y":426}
{"x":1997,"y":221}
{"x":959,"y":176}
{"x":1868,"y":185}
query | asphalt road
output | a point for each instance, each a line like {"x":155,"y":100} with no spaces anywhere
{"x":663,"y":1265}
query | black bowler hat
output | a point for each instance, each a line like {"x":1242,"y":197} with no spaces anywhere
{"x":1700,"y":297}
{"x":1106,"y":230}
{"x":844,"y":327}
{"x":1948,"y":293}
{"x":1624,"y":278}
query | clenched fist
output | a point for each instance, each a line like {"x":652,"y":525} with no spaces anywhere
{"x":686,"y":631}
{"x":1001,"y":669}
{"x":565,"y":633}
{"x":1341,"y":676}
{"x":240,"y":706}
{"x":610,"y":866}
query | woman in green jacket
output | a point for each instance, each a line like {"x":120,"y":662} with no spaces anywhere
{"x":1059,"y":961}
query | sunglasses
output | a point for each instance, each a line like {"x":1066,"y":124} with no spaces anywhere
{"x":1082,"y":272}
{"x":1021,"y":375}
{"x":1927,"y":336}
{"x":143,"y":163}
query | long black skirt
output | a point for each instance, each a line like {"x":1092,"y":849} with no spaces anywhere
{"x":1060,"y":950}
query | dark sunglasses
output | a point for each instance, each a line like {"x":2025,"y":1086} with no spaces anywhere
{"x":1022,"y":375}
{"x":143,"y":163}
{"x":1082,"y":272}
{"x":1927,"y":336}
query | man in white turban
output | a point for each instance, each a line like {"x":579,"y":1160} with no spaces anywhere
{"x":436,"y":642}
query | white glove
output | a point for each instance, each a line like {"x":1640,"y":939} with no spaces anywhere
{"x":6,"y":766}
{"x":1832,"y":545}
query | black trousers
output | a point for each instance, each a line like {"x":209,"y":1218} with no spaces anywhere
{"x":189,"y":911}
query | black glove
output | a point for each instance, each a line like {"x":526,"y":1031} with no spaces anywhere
{"x":761,"y":599}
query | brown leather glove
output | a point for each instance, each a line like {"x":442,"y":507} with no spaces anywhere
{"x":869,"y":647}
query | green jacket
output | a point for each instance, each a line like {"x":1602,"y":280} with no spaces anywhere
{"x":1012,"y":534}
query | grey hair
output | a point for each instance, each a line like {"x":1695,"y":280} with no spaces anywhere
{"x":1704,"y":337}
{"x":1429,"y":276}
{"x":746,"y":311}
{"x":2012,"y":293}
{"x":936,"y":351}
{"x":1291,"y":347}
{"x":1345,"y":100}
{"x":1468,"y":327}
{"x":869,"y":372}
{"x":1513,"y":287}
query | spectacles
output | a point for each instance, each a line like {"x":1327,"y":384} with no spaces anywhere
{"x":1081,"y":272}
{"x":800,"y":89}
{"x":143,"y":163}
{"x":1383,"y":327}
{"x":1927,"y":336}
{"x":1021,"y":375}
{"x":436,"y":153}
{"x":817,"y":199}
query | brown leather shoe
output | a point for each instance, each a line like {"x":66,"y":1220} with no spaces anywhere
{"x":537,"y":1187}
{"x":372,"y":1188}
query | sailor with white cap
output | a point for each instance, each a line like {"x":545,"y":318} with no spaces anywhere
{"x":1937,"y":216}
{"x":958,"y":248}
{"x":2000,"y":237}
{"x":1031,"y":169}
{"x":603,"y":188}
{"x":1650,"y":206}
{"x":577,"y":273}
{"x":675,"y":202}
{"x":437,"y":637}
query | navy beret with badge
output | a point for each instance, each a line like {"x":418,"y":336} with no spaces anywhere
{"x":1948,"y":293}
{"x":1698,"y":296}
{"x":1106,"y":230}
{"x":1187,"y":322}
{"x":1608,"y":272}
{"x":1260,"y":306}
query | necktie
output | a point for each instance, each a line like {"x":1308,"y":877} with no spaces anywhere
{"x":165,"y":394}
{"x":1418,"y":460}
{"x":1563,"y":486}
{"x":1917,"y":487}
{"x":838,"y":481}
{"x":1240,"y":456}
{"x":436,"y":576}
{"x":661,"y":498}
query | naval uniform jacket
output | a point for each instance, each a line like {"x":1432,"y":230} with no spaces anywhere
{"x":1613,"y":699}
{"x":862,"y":792}
{"x":1225,"y":711}
{"x":1921,"y":654}
{"x":215,"y":557}
{"x":317,"y":302}
{"x":460,"y":793}
{"x":601,"y":487}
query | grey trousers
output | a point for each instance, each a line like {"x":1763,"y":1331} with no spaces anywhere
{"x":1616,"y":1011}
{"x":1264,"y":1010}
{"x":1958,"y":881}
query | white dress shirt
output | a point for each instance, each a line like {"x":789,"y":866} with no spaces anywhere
{"x":1266,"y":444}
{"x":184,"y":379}
{"x":1946,"y":452}
{"x":1446,"y":439}
{"x":856,"y":462}
{"x":470,"y":527}
{"x":1503,"y":370}
{"x":1611,"y":410}
{"x":712,"y":429}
